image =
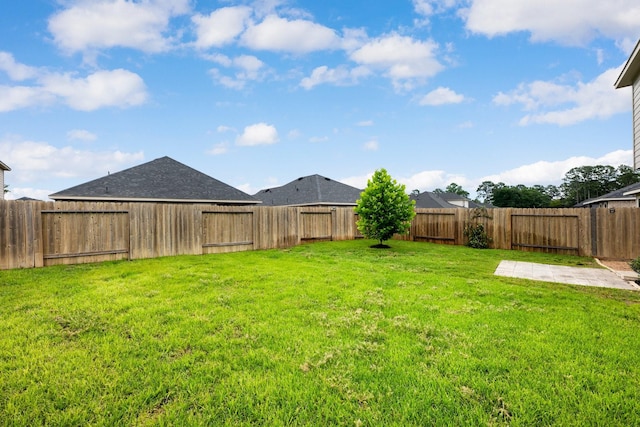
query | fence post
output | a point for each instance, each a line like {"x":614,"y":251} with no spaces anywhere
{"x":593,"y":214}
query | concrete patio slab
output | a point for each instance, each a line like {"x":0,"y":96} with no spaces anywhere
{"x":562,"y":274}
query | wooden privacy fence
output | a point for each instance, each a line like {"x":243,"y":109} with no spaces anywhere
{"x":35,"y":234}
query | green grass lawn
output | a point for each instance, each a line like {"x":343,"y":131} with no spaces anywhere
{"x":331,"y":333}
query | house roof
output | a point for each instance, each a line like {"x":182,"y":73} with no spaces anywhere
{"x":432,"y":200}
{"x":623,"y":194}
{"x":448,"y":197}
{"x":631,"y":69}
{"x":4,"y":167}
{"x":310,"y":190}
{"x":160,"y":180}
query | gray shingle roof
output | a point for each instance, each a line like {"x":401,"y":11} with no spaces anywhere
{"x":431,"y":200}
{"x":4,"y":167}
{"x":312,"y":190}
{"x":162,"y":179}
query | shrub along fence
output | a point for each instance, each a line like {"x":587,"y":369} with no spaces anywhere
{"x":35,"y":234}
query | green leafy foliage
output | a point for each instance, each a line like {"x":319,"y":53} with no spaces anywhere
{"x":476,"y":236}
{"x":520,"y":196}
{"x":475,"y":232}
{"x":384,"y":208}
{"x":635,"y":265}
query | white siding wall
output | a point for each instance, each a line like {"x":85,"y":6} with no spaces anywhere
{"x":636,"y":123}
{"x":2,"y":184}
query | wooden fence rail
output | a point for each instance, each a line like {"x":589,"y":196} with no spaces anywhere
{"x":35,"y":234}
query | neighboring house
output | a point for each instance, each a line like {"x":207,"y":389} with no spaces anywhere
{"x":430,"y":199}
{"x":622,"y":198}
{"x":630,"y":76}
{"x":455,"y":199}
{"x":3,"y":168}
{"x":312,"y":190}
{"x":160,"y":180}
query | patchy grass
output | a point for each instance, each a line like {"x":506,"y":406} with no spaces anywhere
{"x":332,"y":333}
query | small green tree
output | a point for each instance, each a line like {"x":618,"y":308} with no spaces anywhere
{"x":384,"y":208}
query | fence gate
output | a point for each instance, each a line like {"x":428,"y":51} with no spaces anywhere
{"x":74,"y":237}
{"x":227,"y":231}
{"x":546,"y":233}
{"x":437,"y":227}
{"x":316,"y":225}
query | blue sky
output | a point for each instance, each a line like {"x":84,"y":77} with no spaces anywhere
{"x":258,"y":93}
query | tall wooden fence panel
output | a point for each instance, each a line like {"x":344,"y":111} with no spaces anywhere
{"x":618,"y":233}
{"x":19,"y":234}
{"x":73,"y":236}
{"x":546,"y":232}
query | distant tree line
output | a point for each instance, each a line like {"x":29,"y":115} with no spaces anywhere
{"x":579,"y":184}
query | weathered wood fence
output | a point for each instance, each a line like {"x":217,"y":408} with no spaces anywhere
{"x":35,"y":234}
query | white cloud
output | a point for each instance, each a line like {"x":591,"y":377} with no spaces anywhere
{"x":16,"y":71}
{"x":223,"y":128}
{"x":119,"y":88}
{"x":573,"y":22}
{"x":81,"y":134}
{"x":371,"y":145}
{"x":365,"y":123}
{"x":17,"y":97}
{"x":406,"y":61}
{"x":545,"y":172}
{"x":248,"y":68}
{"x":563,"y":104}
{"x":340,"y":76}
{"x":221,"y":27}
{"x":430,"y":180}
{"x":247,"y":188}
{"x":294,"y":36}
{"x":423,"y":7}
{"x":116,"y":88}
{"x":357,"y":181}
{"x":441,"y":96}
{"x":258,"y":134}
{"x":294,"y":134}
{"x":99,"y":24}
{"x":41,"y":161}
{"x":219,"y":149}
